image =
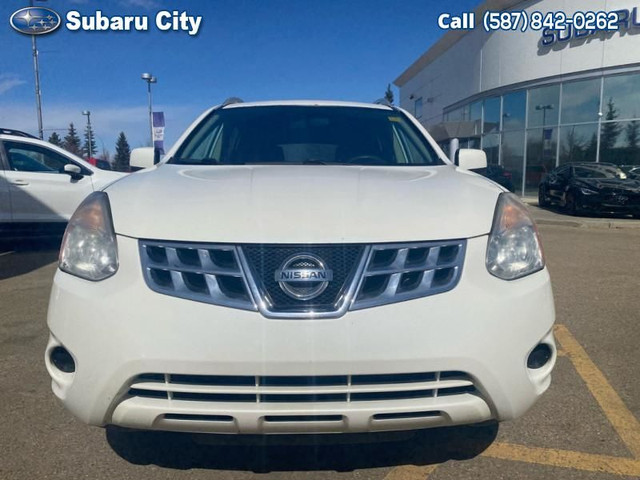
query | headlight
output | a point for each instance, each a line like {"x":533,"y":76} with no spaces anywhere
{"x":514,"y":248}
{"x":89,"y":247}
{"x":588,"y":191}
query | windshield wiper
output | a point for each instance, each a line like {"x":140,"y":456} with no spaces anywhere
{"x":189,"y":161}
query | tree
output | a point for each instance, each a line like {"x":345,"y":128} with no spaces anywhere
{"x":388,"y":95}
{"x":610,"y":132}
{"x":72,"y":141}
{"x":89,"y":140}
{"x":55,"y":139}
{"x":123,"y":152}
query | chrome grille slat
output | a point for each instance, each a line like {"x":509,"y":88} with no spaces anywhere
{"x":164,"y":257}
{"x":441,"y":270}
{"x":352,"y":388}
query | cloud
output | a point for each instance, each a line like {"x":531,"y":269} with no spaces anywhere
{"x":9,"y":81}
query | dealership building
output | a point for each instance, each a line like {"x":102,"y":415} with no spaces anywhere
{"x":536,"y":99}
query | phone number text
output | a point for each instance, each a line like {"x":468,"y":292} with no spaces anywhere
{"x":558,"y":20}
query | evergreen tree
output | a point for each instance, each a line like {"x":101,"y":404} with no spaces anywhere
{"x":388,"y":95}
{"x":89,"y":140}
{"x":55,"y":139}
{"x":609,"y":133}
{"x":72,"y":141}
{"x":123,"y":152}
{"x":632,"y":133}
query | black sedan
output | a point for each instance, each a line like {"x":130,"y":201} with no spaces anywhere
{"x":591,"y":187}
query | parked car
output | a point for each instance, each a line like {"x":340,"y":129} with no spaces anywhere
{"x":42,"y":184}
{"x":98,"y":162}
{"x":499,"y":175}
{"x":591,"y":187}
{"x":301,"y":267}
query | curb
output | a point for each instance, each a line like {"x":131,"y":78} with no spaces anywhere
{"x":545,"y":217}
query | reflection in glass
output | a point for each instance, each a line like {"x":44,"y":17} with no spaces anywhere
{"x":513,"y":156}
{"x":475,"y":116}
{"x":491,"y":115}
{"x":620,"y":143}
{"x":580,"y":101}
{"x":543,"y":106}
{"x":491,"y":146}
{"x":623,"y":91}
{"x":578,"y":143}
{"x":541,"y":156}
{"x":513,"y":110}
{"x":455,"y":116}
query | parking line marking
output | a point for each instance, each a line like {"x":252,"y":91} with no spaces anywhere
{"x":622,"y":420}
{"x":2,"y":254}
{"x":411,"y":472}
{"x":564,"y":459}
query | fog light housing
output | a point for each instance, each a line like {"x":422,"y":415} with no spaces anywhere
{"x":62,"y":360}
{"x":539,"y":356}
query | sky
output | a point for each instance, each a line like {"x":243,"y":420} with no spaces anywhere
{"x":252,"y":49}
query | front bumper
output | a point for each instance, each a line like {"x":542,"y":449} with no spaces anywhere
{"x":609,"y":203}
{"x":472,"y":343}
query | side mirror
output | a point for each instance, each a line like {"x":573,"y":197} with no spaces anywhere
{"x":73,"y":170}
{"x":143,"y":157}
{"x":471,"y":159}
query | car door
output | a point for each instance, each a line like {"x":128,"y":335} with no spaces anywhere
{"x":39,"y":189}
{"x":5,"y":200}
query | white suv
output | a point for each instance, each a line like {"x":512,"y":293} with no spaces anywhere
{"x":41,"y":183}
{"x":301,"y":267}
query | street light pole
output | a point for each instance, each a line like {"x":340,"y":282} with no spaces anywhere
{"x":147,"y":77}
{"x":89,"y":132}
{"x":544,"y":109}
{"x":36,"y":72}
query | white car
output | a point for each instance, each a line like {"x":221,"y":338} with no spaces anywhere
{"x":301,"y":267}
{"x":41,"y":183}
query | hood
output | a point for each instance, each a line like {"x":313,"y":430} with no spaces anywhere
{"x":302,"y":204}
{"x":630,"y":185}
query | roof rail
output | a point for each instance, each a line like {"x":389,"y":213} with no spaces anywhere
{"x":231,"y":101}
{"x":15,"y":133}
{"x":383,"y":101}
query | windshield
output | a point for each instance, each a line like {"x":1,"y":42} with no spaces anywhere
{"x":600,"y":172}
{"x":315,"y":135}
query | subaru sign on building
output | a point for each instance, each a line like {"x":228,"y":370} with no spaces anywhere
{"x":534,"y":98}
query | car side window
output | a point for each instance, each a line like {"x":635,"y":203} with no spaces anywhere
{"x":24,"y":157}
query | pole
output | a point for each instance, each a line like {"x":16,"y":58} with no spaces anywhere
{"x":150,"y":114}
{"x":36,"y":72}
{"x":89,"y":135}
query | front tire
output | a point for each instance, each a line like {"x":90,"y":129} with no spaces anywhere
{"x":570,"y":206}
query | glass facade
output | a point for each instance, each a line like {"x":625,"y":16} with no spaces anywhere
{"x":530,"y":131}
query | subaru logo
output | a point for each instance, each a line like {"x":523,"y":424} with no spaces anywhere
{"x":303,"y":276}
{"x":35,"y":20}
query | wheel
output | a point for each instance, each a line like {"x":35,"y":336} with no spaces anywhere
{"x":543,"y":201}
{"x":570,"y":204}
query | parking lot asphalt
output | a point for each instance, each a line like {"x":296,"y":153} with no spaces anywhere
{"x":585,"y":427}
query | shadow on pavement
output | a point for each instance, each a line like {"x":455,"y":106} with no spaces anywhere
{"x":300,"y":453}
{"x":20,"y":256}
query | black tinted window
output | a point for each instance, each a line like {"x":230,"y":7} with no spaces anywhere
{"x":306,"y":134}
